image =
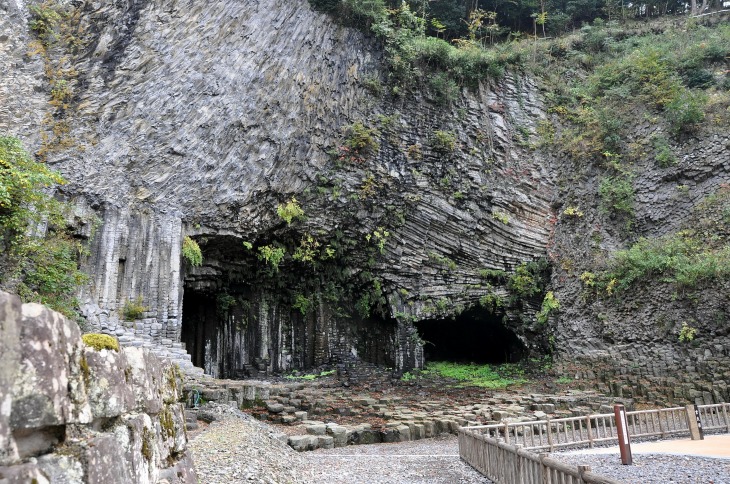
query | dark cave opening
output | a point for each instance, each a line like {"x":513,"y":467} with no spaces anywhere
{"x":199,"y":323}
{"x":474,"y":336}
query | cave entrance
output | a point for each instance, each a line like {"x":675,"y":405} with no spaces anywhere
{"x":199,"y":323}
{"x":475,"y":336}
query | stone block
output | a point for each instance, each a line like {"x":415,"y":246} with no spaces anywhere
{"x":418,"y":432}
{"x":390,"y":435}
{"x":62,"y":469}
{"x":106,"y":461}
{"x":325,"y":442}
{"x":339,"y":434}
{"x":147,"y":379}
{"x":404,"y":433}
{"x":365,"y":437}
{"x":23,"y":474}
{"x":319,"y":429}
{"x":183,"y":472}
{"x":429,"y":429}
{"x":301,"y":443}
{"x":10,"y":317}
{"x":300,"y":415}
{"x":49,"y":389}
{"x":107,"y":385}
{"x":274,"y":407}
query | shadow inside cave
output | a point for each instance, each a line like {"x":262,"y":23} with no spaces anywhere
{"x":474,"y":336}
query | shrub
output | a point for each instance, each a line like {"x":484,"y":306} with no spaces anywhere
{"x":191,"y":252}
{"x":100,"y":341}
{"x":617,"y":195}
{"x":272,"y":255}
{"x":290,"y":210}
{"x":664,"y":156}
{"x":133,"y":309}
{"x":302,"y":303}
{"x":44,"y":20}
{"x":682,"y":259}
{"x":444,"y":89}
{"x":549,"y":304}
{"x":39,"y":268}
{"x":360,"y":142}
{"x":443,"y":142}
{"x":686,"y":111}
{"x":687,"y":333}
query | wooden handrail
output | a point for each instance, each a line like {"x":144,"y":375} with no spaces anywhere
{"x":513,"y":462}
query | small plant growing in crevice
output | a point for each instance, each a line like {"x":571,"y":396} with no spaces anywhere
{"x":133,"y":309}
{"x":443,"y":142}
{"x":501,"y":217}
{"x":549,"y":304}
{"x":573,"y":212}
{"x":290,"y":211}
{"x":380,"y":237}
{"x":360,"y":141}
{"x":617,"y":195}
{"x":303,"y":303}
{"x":271,"y":255}
{"x":687,"y":333}
{"x":191,"y":252}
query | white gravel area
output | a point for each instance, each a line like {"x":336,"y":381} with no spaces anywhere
{"x":655,"y":468}
{"x":237,"y":448}
{"x":429,"y":461}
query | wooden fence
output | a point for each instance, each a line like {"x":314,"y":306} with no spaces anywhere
{"x":509,"y":464}
{"x":502,"y":452}
{"x":551,"y":434}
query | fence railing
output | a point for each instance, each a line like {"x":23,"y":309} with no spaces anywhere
{"x":506,"y":464}
{"x":551,"y":434}
{"x":504,"y":452}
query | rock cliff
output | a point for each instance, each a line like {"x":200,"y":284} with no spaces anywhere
{"x":200,"y":120}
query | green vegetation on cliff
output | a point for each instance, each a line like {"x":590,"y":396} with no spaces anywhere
{"x":39,"y":258}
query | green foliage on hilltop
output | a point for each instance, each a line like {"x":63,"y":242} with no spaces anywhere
{"x":39,"y":259}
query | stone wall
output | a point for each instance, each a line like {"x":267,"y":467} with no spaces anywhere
{"x":71,"y":413}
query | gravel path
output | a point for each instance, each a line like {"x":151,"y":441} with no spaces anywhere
{"x":430,"y":461}
{"x":655,"y":468}
{"x":236,"y":448}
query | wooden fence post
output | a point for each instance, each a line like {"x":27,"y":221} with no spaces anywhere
{"x":549,"y":435}
{"x":544,"y":469}
{"x":590,"y":431}
{"x":582,"y":470}
{"x":694,"y":422}
{"x":623,"y":434}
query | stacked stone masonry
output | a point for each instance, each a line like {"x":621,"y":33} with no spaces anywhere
{"x":71,"y":413}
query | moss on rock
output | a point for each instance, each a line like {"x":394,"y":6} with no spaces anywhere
{"x":101,"y":341}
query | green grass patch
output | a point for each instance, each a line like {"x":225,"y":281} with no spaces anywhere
{"x":494,"y":377}
{"x":311,"y":376}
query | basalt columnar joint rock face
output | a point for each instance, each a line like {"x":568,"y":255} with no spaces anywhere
{"x":75,"y":414}
{"x":199,"y":118}
{"x":261,"y":92}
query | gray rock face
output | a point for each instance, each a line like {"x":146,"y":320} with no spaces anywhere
{"x":80,"y":413}
{"x":261,"y":93}
{"x":199,"y":118}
